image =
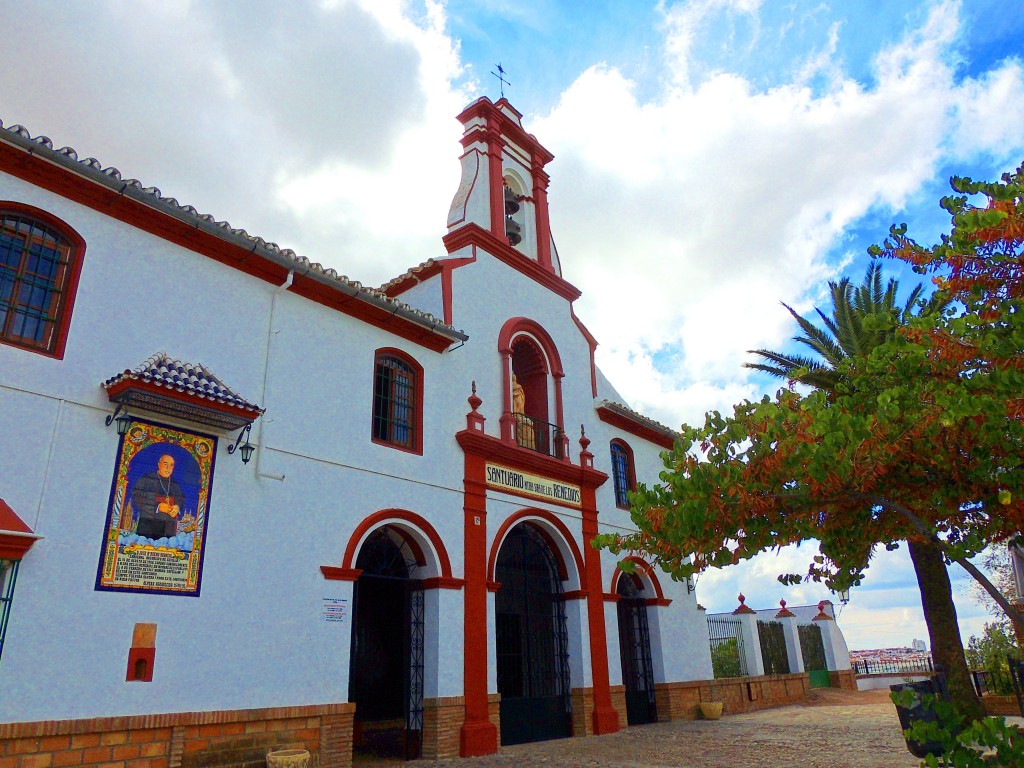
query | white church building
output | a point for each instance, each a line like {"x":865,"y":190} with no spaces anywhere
{"x":247,"y":503}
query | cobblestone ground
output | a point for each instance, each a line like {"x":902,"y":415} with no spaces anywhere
{"x":832,"y":729}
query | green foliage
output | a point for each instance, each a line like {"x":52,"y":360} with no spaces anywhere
{"x":964,"y":743}
{"x":725,"y":658}
{"x":990,"y":651}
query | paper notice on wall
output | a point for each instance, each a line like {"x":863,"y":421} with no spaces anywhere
{"x":334,"y":609}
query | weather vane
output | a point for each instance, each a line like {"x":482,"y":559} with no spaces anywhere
{"x":500,"y":74}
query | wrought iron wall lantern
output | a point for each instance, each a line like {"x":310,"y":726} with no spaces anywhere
{"x":844,"y":596}
{"x":122,"y":421}
{"x":247,"y":448}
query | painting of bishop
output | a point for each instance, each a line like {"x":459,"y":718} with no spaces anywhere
{"x":159,"y":504}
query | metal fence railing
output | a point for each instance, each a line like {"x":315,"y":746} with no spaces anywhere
{"x":727,"y":656}
{"x":773,"y":647}
{"x":892,"y":666}
{"x":539,"y":436}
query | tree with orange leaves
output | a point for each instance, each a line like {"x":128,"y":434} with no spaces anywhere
{"x":921,"y":439}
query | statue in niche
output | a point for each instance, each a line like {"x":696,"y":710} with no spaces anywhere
{"x":525,"y":434}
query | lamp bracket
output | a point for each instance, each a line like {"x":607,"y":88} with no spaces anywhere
{"x":110,"y":418}
{"x":243,"y":433}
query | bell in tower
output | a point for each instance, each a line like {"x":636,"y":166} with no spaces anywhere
{"x":513,"y":231}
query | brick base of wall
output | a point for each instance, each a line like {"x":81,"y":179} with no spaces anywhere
{"x":582,"y":711}
{"x":846,"y":679}
{"x":494,"y":712}
{"x":679,"y":701}
{"x":442,"y":724}
{"x":221,"y":739}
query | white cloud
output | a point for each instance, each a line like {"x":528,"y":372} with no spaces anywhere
{"x":701,"y":209}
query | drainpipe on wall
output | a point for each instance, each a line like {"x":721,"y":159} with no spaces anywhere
{"x":266,"y":373}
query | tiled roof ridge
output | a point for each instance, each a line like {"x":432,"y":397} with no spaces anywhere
{"x":163,"y":370}
{"x":409,"y":273}
{"x":300,"y":262}
{"x":627,"y":411}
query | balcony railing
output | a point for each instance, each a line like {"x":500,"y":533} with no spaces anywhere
{"x":539,"y":436}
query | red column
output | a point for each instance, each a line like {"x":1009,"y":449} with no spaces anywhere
{"x":497,"y":181}
{"x":540,"y":207}
{"x":479,"y":735}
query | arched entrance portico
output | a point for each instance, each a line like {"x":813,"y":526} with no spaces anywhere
{"x":635,"y":651}
{"x":531,"y":639}
{"x":386,"y":659}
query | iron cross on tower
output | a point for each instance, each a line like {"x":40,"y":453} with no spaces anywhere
{"x":500,"y":74}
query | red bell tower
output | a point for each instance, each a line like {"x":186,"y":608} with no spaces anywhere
{"x":502,"y":201}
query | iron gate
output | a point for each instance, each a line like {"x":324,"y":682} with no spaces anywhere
{"x":532,"y":641}
{"x":812,"y":649}
{"x":386,"y":661}
{"x":635,"y":652}
{"x":773,"y":647}
{"x":727,"y":655}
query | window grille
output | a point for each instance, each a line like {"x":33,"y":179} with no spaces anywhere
{"x":35,"y":265}
{"x":621,"y":475}
{"x":8,"y":575}
{"x":394,"y":402}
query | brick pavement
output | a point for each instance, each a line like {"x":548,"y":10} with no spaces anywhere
{"x":833,"y":729}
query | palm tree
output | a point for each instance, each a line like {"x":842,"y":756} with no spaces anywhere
{"x":845,"y":334}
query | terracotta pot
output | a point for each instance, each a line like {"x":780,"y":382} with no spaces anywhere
{"x":710,"y":710}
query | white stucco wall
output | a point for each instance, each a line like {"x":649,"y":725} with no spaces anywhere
{"x":255,"y":637}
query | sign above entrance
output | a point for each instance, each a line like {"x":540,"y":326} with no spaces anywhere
{"x":505,"y":479}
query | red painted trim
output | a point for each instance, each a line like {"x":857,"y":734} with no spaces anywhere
{"x":532,"y":515}
{"x":172,"y":393}
{"x":474,"y":234}
{"x":644,"y":569}
{"x":77,"y":257}
{"x":448,"y":267}
{"x":605,"y":719}
{"x":16,"y":538}
{"x":495,"y":145}
{"x":630,"y":469}
{"x":499,"y":121}
{"x":62,"y":181}
{"x":439,"y":582}
{"x":489,"y":448}
{"x":517,"y":325}
{"x":540,"y":209}
{"x":334,"y":573}
{"x":478,"y":735}
{"x":417,"y":446}
{"x":592,"y":342}
{"x":493,"y":586}
{"x":398,"y":516}
{"x":662,"y":601}
{"x":637,"y":428}
{"x":611,"y":597}
{"x":145,"y":655}
{"x":416,"y":277}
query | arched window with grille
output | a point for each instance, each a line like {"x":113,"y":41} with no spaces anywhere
{"x":623,"y":476}
{"x":397,"y":401}
{"x":40,"y":261}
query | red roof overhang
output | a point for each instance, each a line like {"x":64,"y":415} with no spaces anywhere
{"x":638,"y":428}
{"x":16,"y":538}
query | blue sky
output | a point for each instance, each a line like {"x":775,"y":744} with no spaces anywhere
{"x":712,"y":158}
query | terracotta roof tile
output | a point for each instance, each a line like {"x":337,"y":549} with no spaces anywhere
{"x":163,"y":370}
